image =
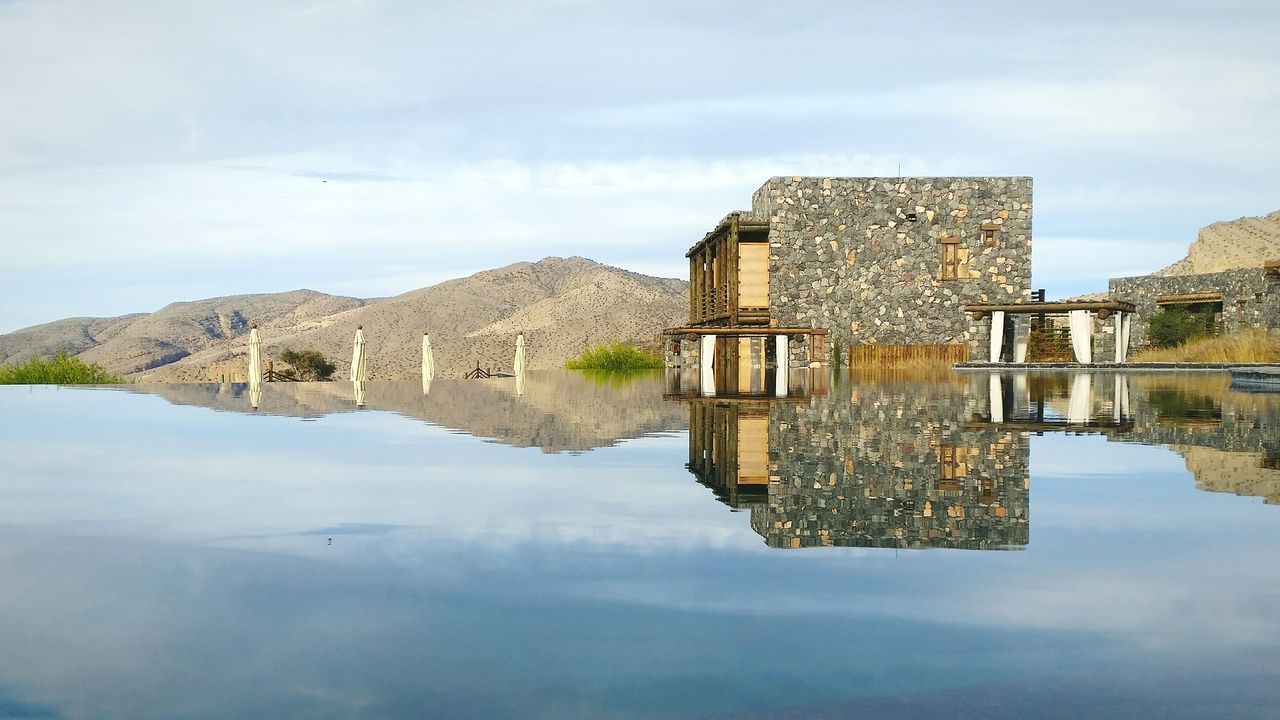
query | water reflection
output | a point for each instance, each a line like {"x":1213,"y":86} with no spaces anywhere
{"x":872,"y":465}
{"x":554,"y":411}
{"x":149,"y":575}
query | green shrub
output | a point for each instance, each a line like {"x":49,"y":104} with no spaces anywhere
{"x":615,"y":356}
{"x":308,"y":364}
{"x":61,"y":370}
{"x":1174,"y":326}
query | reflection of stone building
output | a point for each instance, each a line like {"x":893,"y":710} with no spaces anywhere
{"x":886,"y":468}
{"x":1230,"y":440}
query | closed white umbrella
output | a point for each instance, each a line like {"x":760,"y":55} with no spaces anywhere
{"x":255,"y":355}
{"x":519,"y":363}
{"x":428,"y":364}
{"x":255,"y":367}
{"x":358,"y":370}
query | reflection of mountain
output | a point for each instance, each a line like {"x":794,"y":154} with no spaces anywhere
{"x":1250,"y":474}
{"x":871,"y":465}
{"x":559,"y":411}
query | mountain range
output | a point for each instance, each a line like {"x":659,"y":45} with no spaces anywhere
{"x":562,"y":305}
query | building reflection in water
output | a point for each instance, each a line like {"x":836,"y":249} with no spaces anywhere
{"x":1229,"y":439}
{"x":874,"y":464}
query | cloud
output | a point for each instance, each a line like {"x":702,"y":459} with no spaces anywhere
{"x":273,"y":142}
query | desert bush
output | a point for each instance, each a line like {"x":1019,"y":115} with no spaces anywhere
{"x":1173,"y":326}
{"x":61,"y":370}
{"x":308,"y":364}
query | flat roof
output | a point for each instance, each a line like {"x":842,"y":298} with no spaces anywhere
{"x":745,"y":220}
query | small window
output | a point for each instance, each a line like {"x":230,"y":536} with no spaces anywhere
{"x":989,"y":235}
{"x":950,"y":258}
{"x":951,"y":463}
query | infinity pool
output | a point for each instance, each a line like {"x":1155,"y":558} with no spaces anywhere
{"x":956,"y":546}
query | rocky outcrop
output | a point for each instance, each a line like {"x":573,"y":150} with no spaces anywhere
{"x":1229,"y":245}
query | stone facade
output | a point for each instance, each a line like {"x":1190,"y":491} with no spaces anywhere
{"x":1250,"y":297}
{"x":845,"y":254}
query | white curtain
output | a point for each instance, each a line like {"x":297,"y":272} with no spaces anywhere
{"x":780,"y":361}
{"x":1020,"y":338}
{"x":1119,"y":336}
{"x":1021,"y":391}
{"x":1124,"y":335}
{"x":1081,"y":322}
{"x":997,"y":399}
{"x":1121,"y":400}
{"x":1080,"y":403}
{"x":997,"y":335}
{"x":705,"y":356}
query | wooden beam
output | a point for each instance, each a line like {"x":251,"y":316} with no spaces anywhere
{"x":1049,"y":307}
{"x":743,"y":330}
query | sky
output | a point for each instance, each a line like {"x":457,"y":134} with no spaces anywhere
{"x":152,"y":152}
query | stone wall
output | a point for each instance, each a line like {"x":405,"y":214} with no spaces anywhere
{"x":894,"y":468}
{"x":845,"y":256}
{"x":1249,"y":298}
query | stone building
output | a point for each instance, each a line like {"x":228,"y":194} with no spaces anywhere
{"x":1231,"y":274}
{"x":867,"y":266}
{"x":1238,"y":299}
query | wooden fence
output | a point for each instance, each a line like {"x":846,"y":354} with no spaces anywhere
{"x":887,"y":355}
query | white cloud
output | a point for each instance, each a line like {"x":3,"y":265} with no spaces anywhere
{"x":196,"y":139}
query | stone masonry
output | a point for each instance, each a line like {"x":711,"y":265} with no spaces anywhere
{"x":1250,"y":297}
{"x":845,"y":254}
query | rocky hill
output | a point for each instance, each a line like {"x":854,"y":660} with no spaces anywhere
{"x":561,"y":305}
{"x":1246,"y":242}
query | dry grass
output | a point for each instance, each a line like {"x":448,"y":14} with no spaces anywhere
{"x":1255,"y":345}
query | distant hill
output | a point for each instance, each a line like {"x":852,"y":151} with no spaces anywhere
{"x":561,"y":304}
{"x":1227,"y":245}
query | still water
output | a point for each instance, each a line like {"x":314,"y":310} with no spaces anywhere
{"x":956,"y":546}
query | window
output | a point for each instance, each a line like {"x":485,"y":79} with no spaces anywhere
{"x":950,"y":258}
{"x":989,"y":231}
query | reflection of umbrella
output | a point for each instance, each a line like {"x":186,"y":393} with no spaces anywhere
{"x":428,"y":364}
{"x":358,"y":371}
{"x":255,"y":367}
{"x":519,"y":363}
{"x":358,"y":386}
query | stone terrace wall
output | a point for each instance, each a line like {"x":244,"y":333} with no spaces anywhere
{"x":845,"y":257}
{"x":1249,"y":298}
{"x":868,"y":471}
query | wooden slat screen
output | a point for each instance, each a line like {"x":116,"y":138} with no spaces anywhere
{"x":753,"y":275}
{"x":887,"y":355}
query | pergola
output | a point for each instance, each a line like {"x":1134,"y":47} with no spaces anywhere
{"x":1079,"y":314}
